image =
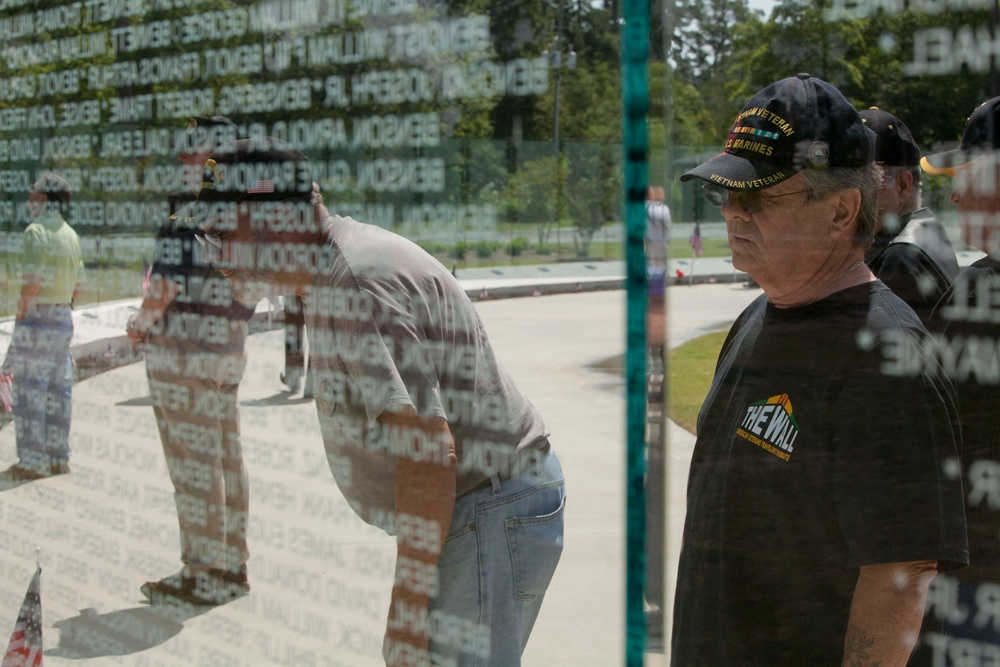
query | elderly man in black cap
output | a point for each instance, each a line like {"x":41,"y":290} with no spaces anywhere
{"x":911,"y":252}
{"x":426,"y":434}
{"x":966,"y":325}
{"x":819,"y":501}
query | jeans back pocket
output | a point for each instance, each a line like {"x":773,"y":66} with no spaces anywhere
{"x":535,"y":543}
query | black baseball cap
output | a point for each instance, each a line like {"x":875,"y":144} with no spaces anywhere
{"x":211,"y":121}
{"x":794,"y":124}
{"x":894,"y":145}
{"x":981,"y":136}
{"x":256,"y":169}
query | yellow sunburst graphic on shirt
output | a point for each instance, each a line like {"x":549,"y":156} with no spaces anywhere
{"x":769,"y":424}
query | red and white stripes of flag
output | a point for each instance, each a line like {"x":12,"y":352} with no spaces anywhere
{"x":25,"y":646}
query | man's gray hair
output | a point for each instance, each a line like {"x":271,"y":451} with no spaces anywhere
{"x":889,"y":175}
{"x":821,"y":184}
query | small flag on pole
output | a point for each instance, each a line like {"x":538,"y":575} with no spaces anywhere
{"x":6,"y":398}
{"x":25,"y":647}
{"x":6,"y":392}
{"x":695,"y":240}
{"x":265,"y":186}
{"x":147,"y":271}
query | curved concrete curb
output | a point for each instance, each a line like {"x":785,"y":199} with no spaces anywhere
{"x":107,"y":354}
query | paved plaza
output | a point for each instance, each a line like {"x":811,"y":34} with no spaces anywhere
{"x":320,"y":576}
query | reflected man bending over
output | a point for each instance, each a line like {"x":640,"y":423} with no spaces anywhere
{"x":425,"y":432}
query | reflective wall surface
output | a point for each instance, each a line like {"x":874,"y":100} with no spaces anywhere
{"x":313,"y":314}
{"x":295,"y":445}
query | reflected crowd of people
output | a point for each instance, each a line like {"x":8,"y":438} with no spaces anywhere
{"x":424,"y":430}
{"x":847,"y":504}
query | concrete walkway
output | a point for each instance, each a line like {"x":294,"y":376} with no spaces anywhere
{"x":320,"y":576}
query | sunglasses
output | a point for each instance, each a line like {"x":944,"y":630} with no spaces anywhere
{"x":751,"y":202}
{"x":210,"y":238}
{"x":211,"y":243}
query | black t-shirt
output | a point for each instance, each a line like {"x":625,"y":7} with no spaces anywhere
{"x":967,"y":326}
{"x":918,"y":264}
{"x":809,"y":464}
{"x":205,"y":316}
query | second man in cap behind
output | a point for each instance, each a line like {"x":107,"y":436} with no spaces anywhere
{"x":911,"y":252}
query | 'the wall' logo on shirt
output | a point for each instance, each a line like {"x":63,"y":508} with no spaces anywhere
{"x":769,"y":425}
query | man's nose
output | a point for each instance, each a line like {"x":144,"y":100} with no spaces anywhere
{"x":955,"y":197}
{"x":733,"y":208}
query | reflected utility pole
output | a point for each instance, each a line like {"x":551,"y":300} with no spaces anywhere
{"x":555,"y":57}
{"x":667,"y":19}
{"x":994,"y":21}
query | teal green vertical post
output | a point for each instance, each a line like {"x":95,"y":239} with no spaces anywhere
{"x":635,"y":97}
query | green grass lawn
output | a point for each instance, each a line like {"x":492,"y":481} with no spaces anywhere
{"x":690,"y":368}
{"x":599,"y":251}
{"x":111,"y":283}
{"x":689,"y":372}
{"x":680,"y":249}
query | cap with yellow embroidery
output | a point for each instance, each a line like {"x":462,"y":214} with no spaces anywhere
{"x":981,"y":136}
{"x":794,"y":124}
{"x":256,"y":169}
{"x":894,"y":146}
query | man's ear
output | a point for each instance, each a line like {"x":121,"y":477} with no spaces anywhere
{"x":904,"y":184}
{"x":847,"y":205}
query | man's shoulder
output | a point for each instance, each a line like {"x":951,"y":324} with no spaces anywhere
{"x":752,"y":315}
{"x":922,"y":246}
{"x":984,"y":266}
{"x":374,"y":253}
{"x":747,"y":324}
{"x":35,"y":236}
{"x":888,"y":311}
{"x":354,"y":237}
{"x":67,"y":230}
{"x":925,"y":216}
{"x":900,"y":255}
{"x":755,"y":308}
{"x":983,"y":274}
{"x":925,"y":231}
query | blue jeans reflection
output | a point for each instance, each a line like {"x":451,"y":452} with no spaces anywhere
{"x":43,"y":386}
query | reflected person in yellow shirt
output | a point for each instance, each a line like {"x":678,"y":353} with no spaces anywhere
{"x":52,"y":276}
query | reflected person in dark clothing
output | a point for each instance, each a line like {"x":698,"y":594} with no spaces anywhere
{"x":193,"y":332}
{"x":295,"y":352}
{"x":961,"y":623}
{"x":911,"y":252}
